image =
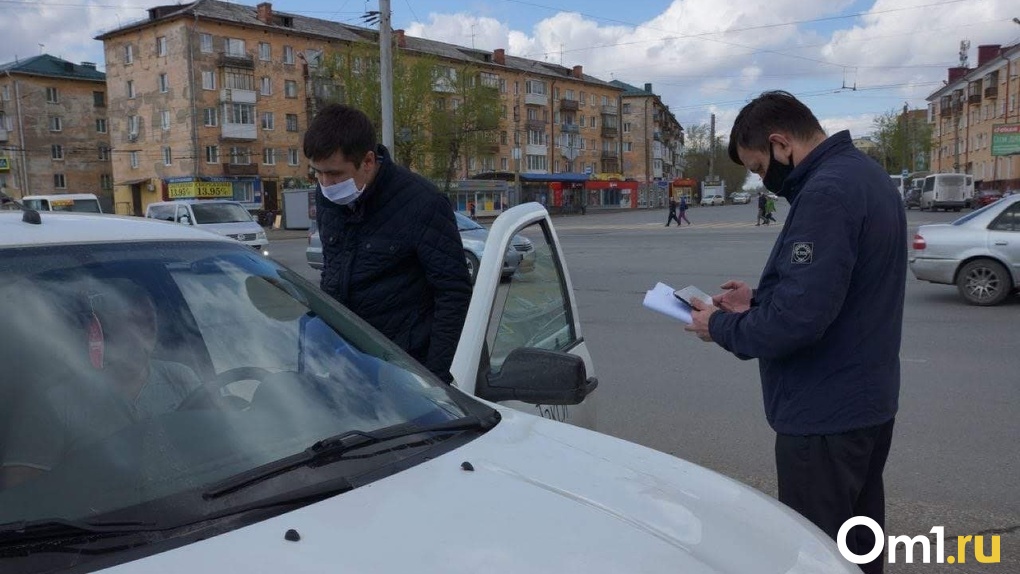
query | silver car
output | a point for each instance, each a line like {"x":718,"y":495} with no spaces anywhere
{"x":979,"y":253}
{"x":519,"y":257}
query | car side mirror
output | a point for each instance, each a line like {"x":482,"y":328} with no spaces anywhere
{"x":539,"y":376}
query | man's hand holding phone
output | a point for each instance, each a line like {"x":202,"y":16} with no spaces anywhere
{"x":735,"y":298}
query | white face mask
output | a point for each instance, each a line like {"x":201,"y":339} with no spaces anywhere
{"x":343,"y":193}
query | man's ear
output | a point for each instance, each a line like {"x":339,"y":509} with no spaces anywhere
{"x":782,"y":146}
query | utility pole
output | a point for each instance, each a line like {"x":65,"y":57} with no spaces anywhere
{"x":906,"y":135}
{"x":386,"y":73}
{"x":711,"y":154}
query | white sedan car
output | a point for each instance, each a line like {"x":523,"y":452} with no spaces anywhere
{"x":979,"y":253}
{"x":712,"y":199}
{"x":172,"y":401}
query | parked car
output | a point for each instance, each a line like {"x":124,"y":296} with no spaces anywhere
{"x":913,"y":198}
{"x":986,"y":197}
{"x":227,"y":218}
{"x":76,"y":202}
{"x":294,"y":435}
{"x":712,"y":199}
{"x":740,"y":197}
{"x":979,"y":253}
{"x":520,"y":255}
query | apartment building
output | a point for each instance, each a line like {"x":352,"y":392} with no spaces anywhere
{"x":967,"y":113}
{"x":54,"y":125}
{"x":653,"y":139}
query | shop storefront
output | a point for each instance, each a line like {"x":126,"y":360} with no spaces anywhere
{"x":245,"y":190}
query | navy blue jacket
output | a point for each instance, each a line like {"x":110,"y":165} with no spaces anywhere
{"x":395,"y":258}
{"x":826,"y":319}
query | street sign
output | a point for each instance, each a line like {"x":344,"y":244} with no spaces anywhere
{"x":1006,"y":139}
{"x":905,"y":173}
{"x":587,"y":169}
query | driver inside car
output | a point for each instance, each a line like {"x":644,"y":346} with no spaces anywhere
{"x":120,"y":385}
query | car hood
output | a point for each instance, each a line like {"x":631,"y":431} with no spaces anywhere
{"x":232,"y":228}
{"x":542,"y":497}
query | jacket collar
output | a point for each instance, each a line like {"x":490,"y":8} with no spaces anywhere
{"x":834,"y":144}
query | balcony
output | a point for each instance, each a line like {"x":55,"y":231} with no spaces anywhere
{"x":3,"y":135}
{"x":536,"y":99}
{"x":570,"y":129}
{"x":533,"y":124}
{"x":610,"y":110}
{"x":610,"y":131}
{"x":610,"y":154}
{"x":489,"y":148}
{"x":657,"y":136}
{"x":656,"y":153}
{"x":974,"y":98}
{"x":236,"y":60}
{"x":236,"y":96}
{"x":567,"y":105}
{"x":240,"y":169}
{"x":946,"y":111}
{"x":992,"y":92}
{"x":570,"y":152}
{"x":535,"y":149}
{"x":240,"y":132}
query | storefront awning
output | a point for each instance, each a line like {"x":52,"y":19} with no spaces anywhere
{"x":564,"y":177}
{"x":133,"y":181}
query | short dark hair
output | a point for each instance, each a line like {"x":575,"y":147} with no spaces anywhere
{"x":771,"y":112}
{"x":340,"y":128}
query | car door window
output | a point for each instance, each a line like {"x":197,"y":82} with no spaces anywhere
{"x":532,"y":307}
{"x":182,"y":212}
{"x":1008,"y":220}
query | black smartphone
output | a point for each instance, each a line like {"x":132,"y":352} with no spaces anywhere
{"x":692,"y":292}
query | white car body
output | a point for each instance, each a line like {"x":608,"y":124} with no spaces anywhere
{"x":248,"y":231}
{"x":528,"y":495}
{"x":75,"y":202}
{"x":944,"y":191}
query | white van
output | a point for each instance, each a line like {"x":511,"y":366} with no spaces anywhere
{"x":969,"y":197}
{"x":900,"y":185}
{"x":228,"y":218}
{"x":944,"y":191}
{"x":76,"y":202}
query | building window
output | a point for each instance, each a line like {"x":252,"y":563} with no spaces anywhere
{"x":129,"y":54}
{"x":212,"y":154}
{"x":161,"y":46}
{"x":99,"y":99}
{"x":51,"y":96}
{"x":57,"y":151}
{"x":626,"y":108}
{"x":534,"y":87}
{"x":5,"y":94}
{"x":292,"y":122}
{"x":265,"y":51}
{"x":106,"y":181}
{"x":268,"y":120}
{"x":210,"y":117}
{"x":58,"y":181}
{"x":292,"y":156}
{"x":288,"y":55}
{"x":164,"y":119}
{"x":235,"y":47}
{"x":267,"y":86}
{"x":503,"y":138}
{"x":238,"y":79}
{"x":101,"y":126}
{"x":269,"y":156}
{"x":208,"y":80}
{"x":240,"y":114}
{"x":134,"y":160}
{"x":593,"y":121}
{"x":130,"y":88}
{"x":290,"y":89}
{"x":55,"y":124}
{"x":538,"y":163}
{"x":164,"y":83}
{"x":104,"y":153}
{"x":626,"y":127}
{"x":240,"y":156}
{"x":504,"y":164}
{"x":502,"y":112}
{"x":628,"y":146}
{"x":207,"y":47}
{"x":167,"y":156}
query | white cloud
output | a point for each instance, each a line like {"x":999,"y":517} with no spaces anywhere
{"x":859,"y":125}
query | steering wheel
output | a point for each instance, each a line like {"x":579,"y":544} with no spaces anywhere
{"x":206,"y":395}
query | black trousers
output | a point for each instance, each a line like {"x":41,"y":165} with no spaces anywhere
{"x":832,"y":478}
{"x":672,"y":218}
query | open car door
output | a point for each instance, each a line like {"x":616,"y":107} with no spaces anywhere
{"x":522,"y":344}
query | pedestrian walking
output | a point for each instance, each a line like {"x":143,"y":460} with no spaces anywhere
{"x":825,"y":322}
{"x":762,"y":202}
{"x":471,"y":210}
{"x":682,"y":208}
{"x":770,"y":208}
{"x":672,"y":213}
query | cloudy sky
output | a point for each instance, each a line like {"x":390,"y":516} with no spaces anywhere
{"x":701,"y":56}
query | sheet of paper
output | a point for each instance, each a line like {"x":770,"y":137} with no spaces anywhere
{"x":661,"y":299}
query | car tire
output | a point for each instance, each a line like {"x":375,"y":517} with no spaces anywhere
{"x":472,"y":264}
{"x":984,"y":282}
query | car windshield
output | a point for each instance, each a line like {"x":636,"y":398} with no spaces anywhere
{"x":465,"y":223}
{"x":219,"y":213}
{"x":137,"y":374}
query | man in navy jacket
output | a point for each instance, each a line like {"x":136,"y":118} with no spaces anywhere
{"x":825,"y":321}
{"x":390,"y":246}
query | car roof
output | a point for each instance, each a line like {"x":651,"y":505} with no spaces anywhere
{"x":74,"y":228}
{"x":62,"y":196}
{"x":194,"y":201}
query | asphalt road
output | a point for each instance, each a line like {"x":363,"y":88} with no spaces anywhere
{"x":955,"y":460}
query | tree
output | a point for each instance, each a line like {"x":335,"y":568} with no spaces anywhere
{"x":698,"y":151}
{"x":465,"y":118}
{"x":904,"y":140}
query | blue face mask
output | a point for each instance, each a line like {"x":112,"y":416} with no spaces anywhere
{"x":343,"y":193}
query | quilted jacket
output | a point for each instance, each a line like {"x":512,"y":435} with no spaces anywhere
{"x":395,"y":258}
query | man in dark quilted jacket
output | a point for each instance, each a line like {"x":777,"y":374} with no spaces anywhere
{"x":390,"y":246}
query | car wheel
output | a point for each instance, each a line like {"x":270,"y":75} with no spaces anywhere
{"x":984,"y":282}
{"x":472,"y":264}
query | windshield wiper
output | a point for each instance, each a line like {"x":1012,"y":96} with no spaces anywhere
{"x":332,"y":448}
{"x":48,"y":529}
